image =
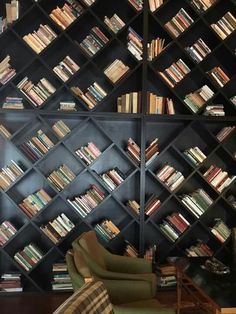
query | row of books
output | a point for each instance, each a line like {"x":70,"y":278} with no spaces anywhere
{"x":129,"y":103}
{"x":58,"y":228}
{"x":135,"y":44}
{"x":159,"y":104}
{"x":61,"y":177}
{"x":37,"y":146}
{"x":10,"y":282}
{"x":225,"y":26}
{"x":179,"y":23}
{"x":224,"y":133}
{"x":218,"y":76}
{"x":106,"y":230}
{"x":175,"y":73}
{"x":13,"y":103}
{"x":6,"y":70}
{"x":174,"y":225}
{"x":34,"y":202}
{"x":36,"y":93}
{"x":199,"y":249}
{"x":12,"y":14}
{"x":9,"y":174}
{"x":221,"y":231}
{"x":7,"y":230}
{"x":116,"y":70}
{"x":137,"y":4}
{"x":40,"y":39}
{"x":155,"y":47}
{"x":218,"y":178}
{"x":66,"y":15}
{"x":202,"y":5}
{"x":113,"y":178}
{"x":94,"y":41}
{"x":130,"y":250}
{"x":198,"y":98}
{"x":114,"y":23}
{"x":94,"y":94}
{"x":133,"y":205}
{"x":199,"y":50}
{"x":197,"y":202}
{"x":170,"y":177}
{"x":195,"y":155}
{"x":29,"y":256}
{"x":214,"y":110}
{"x":152,"y":205}
{"x":88,"y":153}
{"x":67,"y":106}
{"x":4,"y":131}
{"x":155,"y":4}
{"x":86,"y":202}
{"x":66,"y":68}
{"x":166,"y":276}
{"x":61,"y":279}
{"x":61,"y":129}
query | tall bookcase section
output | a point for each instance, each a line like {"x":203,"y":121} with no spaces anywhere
{"x":73,"y":111}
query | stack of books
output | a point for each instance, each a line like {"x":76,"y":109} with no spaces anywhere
{"x":13,"y":103}
{"x":135,"y":44}
{"x":166,"y":276}
{"x":174,"y":226}
{"x":130,"y":250}
{"x":94,"y":94}
{"x":66,"y":15}
{"x":198,"y":51}
{"x":88,"y":153}
{"x":67,"y":106}
{"x":195,"y":155}
{"x":37,"y":147}
{"x":152,"y":205}
{"x":197,"y":202}
{"x":155,"y":4}
{"x":61,"y":177}
{"x":155,"y":48}
{"x":33,"y":203}
{"x":94,"y":41}
{"x":9,"y":174}
{"x":175,"y":73}
{"x":170,"y":177}
{"x":225,"y":26}
{"x":200,"y":249}
{"x":10,"y":282}
{"x":29,"y":256}
{"x":219,"y":76}
{"x":61,"y":279}
{"x":88,"y":2}
{"x":6,"y":71}
{"x":58,"y":228}
{"x":197,"y":99}
{"x":106,"y":230}
{"x":114,"y":23}
{"x":214,"y":110}
{"x":38,"y":93}
{"x":225,"y":132}
{"x":221,"y":231}
{"x":66,"y":68}
{"x":232,"y":200}
{"x":150,"y":253}
{"x":233,"y":99}
{"x":151,"y":151}
{"x":137,"y":4}
{"x":133,"y":205}
{"x":61,"y":129}
{"x":116,"y":70}
{"x":113,"y":178}
{"x":218,"y":178}
{"x":7,"y":230}
{"x":159,"y":105}
{"x":41,"y":38}
{"x":129,"y":103}
{"x":86,"y":202}
{"x":179,"y":23}
{"x":4,"y":131}
{"x":202,"y":5}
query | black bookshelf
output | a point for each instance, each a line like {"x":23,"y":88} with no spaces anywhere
{"x":110,"y":131}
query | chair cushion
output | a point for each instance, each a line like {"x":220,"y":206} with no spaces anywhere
{"x":81,"y":265}
{"x":89,"y":242}
{"x":92,"y":298}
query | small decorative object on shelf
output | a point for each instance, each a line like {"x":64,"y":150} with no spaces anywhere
{"x":6,"y":71}
{"x":88,"y":153}
{"x":61,"y":129}
{"x":12,"y":15}
{"x":197,"y":99}
{"x":215,"y":266}
{"x":11,"y":282}
{"x":150,"y":253}
{"x":41,"y":38}
{"x":155,"y":47}
{"x":137,"y":4}
{"x":7,"y":230}
{"x":13,"y":103}
{"x":29,"y":256}
{"x":155,"y":4}
{"x":195,"y":155}
{"x":219,"y":76}
{"x":200,"y":249}
{"x":61,"y":177}
{"x":218,"y":178}
{"x":61,"y":279}
{"x":171,"y":177}
{"x":225,"y":26}
{"x":129,"y":103}
{"x":114,"y":23}
{"x":199,"y":50}
{"x":202,"y":5}
{"x":106,"y":230}
{"x":9,"y":174}
{"x":66,"y":68}
{"x":152,"y":205}
{"x":113,"y":178}
{"x":135,"y":44}
{"x":116,"y":70}
{"x":225,"y":132}
{"x":133,"y":205}
{"x":5,"y":132}
{"x":214,"y":110}
{"x":67,"y":106}
{"x":160,"y":105}
{"x":130,"y":250}
{"x":220,"y":230}
{"x":179,"y":23}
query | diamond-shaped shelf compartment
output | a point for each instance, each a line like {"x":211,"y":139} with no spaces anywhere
{"x":153,"y":187}
{"x":88,"y":132}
